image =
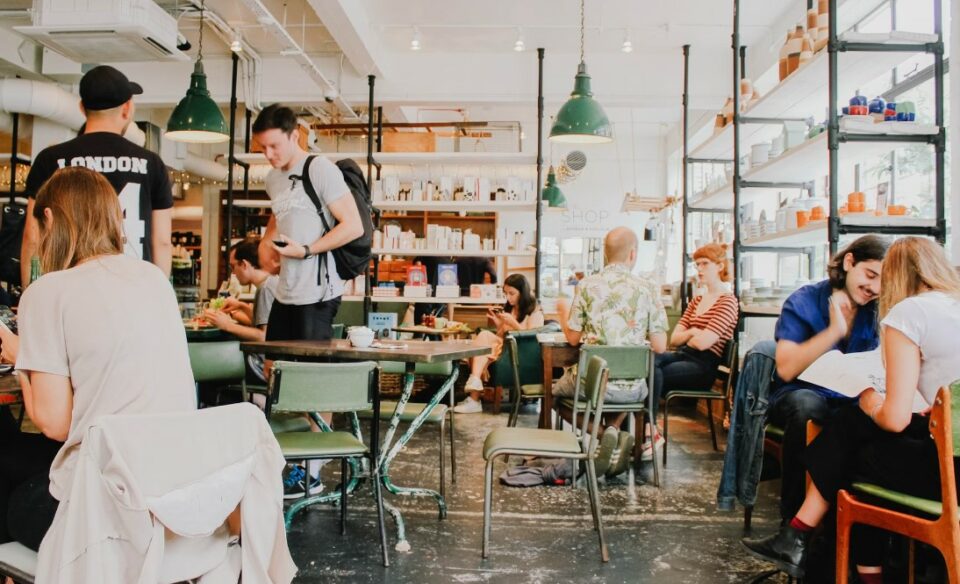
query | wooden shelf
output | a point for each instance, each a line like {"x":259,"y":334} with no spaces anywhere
{"x":430,"y":300}
{"x":815,"y":233}
{"x":457,"y":206}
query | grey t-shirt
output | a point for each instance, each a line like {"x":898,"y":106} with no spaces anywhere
{"x":263,"y":301}
{"x":297,"y":219}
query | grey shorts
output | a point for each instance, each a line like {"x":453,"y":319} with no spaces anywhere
{"x":618,"y":392}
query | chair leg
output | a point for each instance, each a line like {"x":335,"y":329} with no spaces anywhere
{"x":655,"y":459}
{"x":747,"y":517}
{"x":343,"y":495}
{"x":497,"y":397}
{"x":378,"y":495}
{"x":594,"y":491}
{"x":843,"y":538}
{"x":951,"y":557}
{"x":443,"y":463}
{"x":515,"y":409}
{"x":666,"y":430}
{"x":452,"y":433}
{"x":912,"y":562}
{"x":632,"y":430}
{"x":487,"y":502}
{"x":713,"y":429}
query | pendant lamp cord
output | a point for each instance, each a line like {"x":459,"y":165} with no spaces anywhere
{"x":200,"y":48}
{"x":581,"y":29}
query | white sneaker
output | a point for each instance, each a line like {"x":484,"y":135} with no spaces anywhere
{"x":473,"y":384}
{"x":469,"y":406}
{"x":648,"y":447}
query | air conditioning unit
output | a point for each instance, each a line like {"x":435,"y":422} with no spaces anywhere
{"x":105,"y":31}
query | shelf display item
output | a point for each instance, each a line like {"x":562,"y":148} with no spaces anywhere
{"x":760,"y":153}
{"x":391,"y":188}
{"x":447,"y":275}
{"x":794,"y":48}
{"x":784,"y":55}
{"x":483,"y":189}
{"x":469,"y":188}
{"x":445,"y":192}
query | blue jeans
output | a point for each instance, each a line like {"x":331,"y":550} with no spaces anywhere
{"x":790,"y":412}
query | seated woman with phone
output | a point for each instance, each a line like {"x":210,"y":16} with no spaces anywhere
{"x":520,"y":312}
{"x":100,"y":334}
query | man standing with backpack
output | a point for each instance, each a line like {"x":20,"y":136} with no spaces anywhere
{"x":315,"y":218}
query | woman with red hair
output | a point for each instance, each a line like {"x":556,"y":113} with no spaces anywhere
{"x":702,"y":333}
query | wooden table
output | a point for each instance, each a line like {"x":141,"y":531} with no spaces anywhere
{"x":431,"y":332}
{"x":555,"y":353}
{"x":413,"y":352}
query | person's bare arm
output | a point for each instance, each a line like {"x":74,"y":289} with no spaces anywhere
{"x":563,"y":314}
{"x":702,"y":340}
{"x":793,"y":358}
{"x":161,"y":245}
{"x":681,"y":335}
{"x":348,"y":228}
{"x":902,"y":358}
{"x":269,"y":259}
{"x":658,"y":342}
{"x":222,"y":321}
{"x":48,"y":399}
{"x":30,"y":244}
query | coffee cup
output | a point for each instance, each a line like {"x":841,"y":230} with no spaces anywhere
{"x":360,"y":336}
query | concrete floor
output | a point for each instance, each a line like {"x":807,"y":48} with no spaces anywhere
{"x":544,"y":534}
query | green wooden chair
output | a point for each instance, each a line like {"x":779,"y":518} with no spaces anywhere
{"x":554,"y":444}
{"x":298,"y":388}
{"x":439,"y":416}
{"x":726,"y":372}
{"x":529,"y":368}
{"x":936,"y":523}
{"x":624,"y":362}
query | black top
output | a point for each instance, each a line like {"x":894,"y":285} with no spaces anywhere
{"x":138,"y":175}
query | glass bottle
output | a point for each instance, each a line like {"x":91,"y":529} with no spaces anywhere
{"x":34,"y":269}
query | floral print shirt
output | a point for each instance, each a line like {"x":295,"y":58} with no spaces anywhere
{"x":615,"y":307}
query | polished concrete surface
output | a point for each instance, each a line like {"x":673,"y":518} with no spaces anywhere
{"x":543,"y":534}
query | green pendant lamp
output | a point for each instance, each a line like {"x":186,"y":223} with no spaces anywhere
{"x":582,"y":120}
{"x":552,"y":193}
{"x":197,"y":118}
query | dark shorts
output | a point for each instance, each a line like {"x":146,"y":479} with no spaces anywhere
{"x":295,"y":322}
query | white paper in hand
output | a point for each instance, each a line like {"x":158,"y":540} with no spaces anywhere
{"x":851,"y":373}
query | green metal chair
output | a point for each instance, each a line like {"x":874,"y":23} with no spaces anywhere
{"x":326,"y":387}
{"x":522,"y":350}
{"x":554,"y":444}
{"x":726,"y":372}
{"x":219,"y":362}
{"x":625,"y":362}
{"x":530,"y":367}
{"x":439,"y":416}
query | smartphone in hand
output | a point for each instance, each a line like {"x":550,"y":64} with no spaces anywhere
{"x":8,"y":319}
{"x":279,"y":243}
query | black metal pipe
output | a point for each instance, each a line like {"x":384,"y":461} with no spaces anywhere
{"x":14,"y":153}
{"x":539,"y":226}
{"x":891,"y":229}
{"x":760,"y":120}
{"x":914,"y":138}
{"x":736,"y":146}
{"x":709,"y":210}
{"x":693,"y":160}
{"x":849,"y":47}
{"x":833,"y":131}
{"x":686,"y":208}
{"x":759,"y":184}
{"x":743,"y":62}
{"x":249,"y":123}
{"x":231,"y":160}
{"x":371,"y":82}
{"x":941,"y":146}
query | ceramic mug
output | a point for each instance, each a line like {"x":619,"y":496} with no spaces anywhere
{"x":760,"y":153}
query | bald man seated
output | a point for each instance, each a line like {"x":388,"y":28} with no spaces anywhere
{"x":614,"y":307}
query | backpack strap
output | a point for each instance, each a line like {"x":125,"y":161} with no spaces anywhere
{"x":315,"y":198}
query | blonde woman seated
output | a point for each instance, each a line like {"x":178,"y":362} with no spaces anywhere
{"x":521,"y":312}
{"x":880,"y":439}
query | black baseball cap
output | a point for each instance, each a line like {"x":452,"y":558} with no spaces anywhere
{"x":103,"y":87}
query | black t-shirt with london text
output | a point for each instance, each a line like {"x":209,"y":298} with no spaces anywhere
{"x":138,"y":175}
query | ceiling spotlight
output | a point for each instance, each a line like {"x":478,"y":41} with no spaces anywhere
{"x":518,"y":45}
{"x":627,"y":46}
{"x":235,"y":45}
{"x":415,"y":42}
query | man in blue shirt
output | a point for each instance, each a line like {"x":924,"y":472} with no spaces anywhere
{"x":837,"y":313}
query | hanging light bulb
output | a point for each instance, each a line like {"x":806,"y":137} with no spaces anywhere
{"x":518,"y":46}
{"x":582,"y":119}
{"x":415,"y":42}
{"x":627,"y":46}
{"x":235,"y":44}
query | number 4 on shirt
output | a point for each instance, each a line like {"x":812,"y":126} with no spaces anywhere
{"x":133,"y":227}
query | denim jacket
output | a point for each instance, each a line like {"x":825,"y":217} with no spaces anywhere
{"x":743,"y":459}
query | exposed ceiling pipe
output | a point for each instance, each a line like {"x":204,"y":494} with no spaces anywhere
{"x":50,"y":101}
{"x":212,"y":170}
{"x":292,"y":48}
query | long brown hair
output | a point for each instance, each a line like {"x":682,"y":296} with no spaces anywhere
{"x":912,"y":266}
{"x":87,"y":219}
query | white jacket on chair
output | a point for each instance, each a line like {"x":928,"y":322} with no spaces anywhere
{"x":151,"y":495}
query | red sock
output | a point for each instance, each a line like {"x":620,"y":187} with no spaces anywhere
{"x":800,"y":525}
{"x":872,"y":578}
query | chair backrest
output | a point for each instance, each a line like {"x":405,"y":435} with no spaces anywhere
{"x":529,"y":368}
{"x":624,"y":361}
{"x":945,"y":429}
{"x":594,"y":391}
{"x":217,"y":361}
{"x":322,"y":387}
{"x":728,"y":365}
{"x":441,"y":369}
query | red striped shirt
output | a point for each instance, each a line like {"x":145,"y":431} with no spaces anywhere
{"x":720,"y":318}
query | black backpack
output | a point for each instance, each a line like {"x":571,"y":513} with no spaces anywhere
{"x":11,"y":236}
{"x":353,"y":258}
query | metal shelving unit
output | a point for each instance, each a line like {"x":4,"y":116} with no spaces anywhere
{"x":800,"y":94}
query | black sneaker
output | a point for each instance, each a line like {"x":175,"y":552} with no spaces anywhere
{"x":293,"y":482}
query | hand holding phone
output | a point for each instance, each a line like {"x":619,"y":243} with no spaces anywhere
{"x":8,"y":319}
